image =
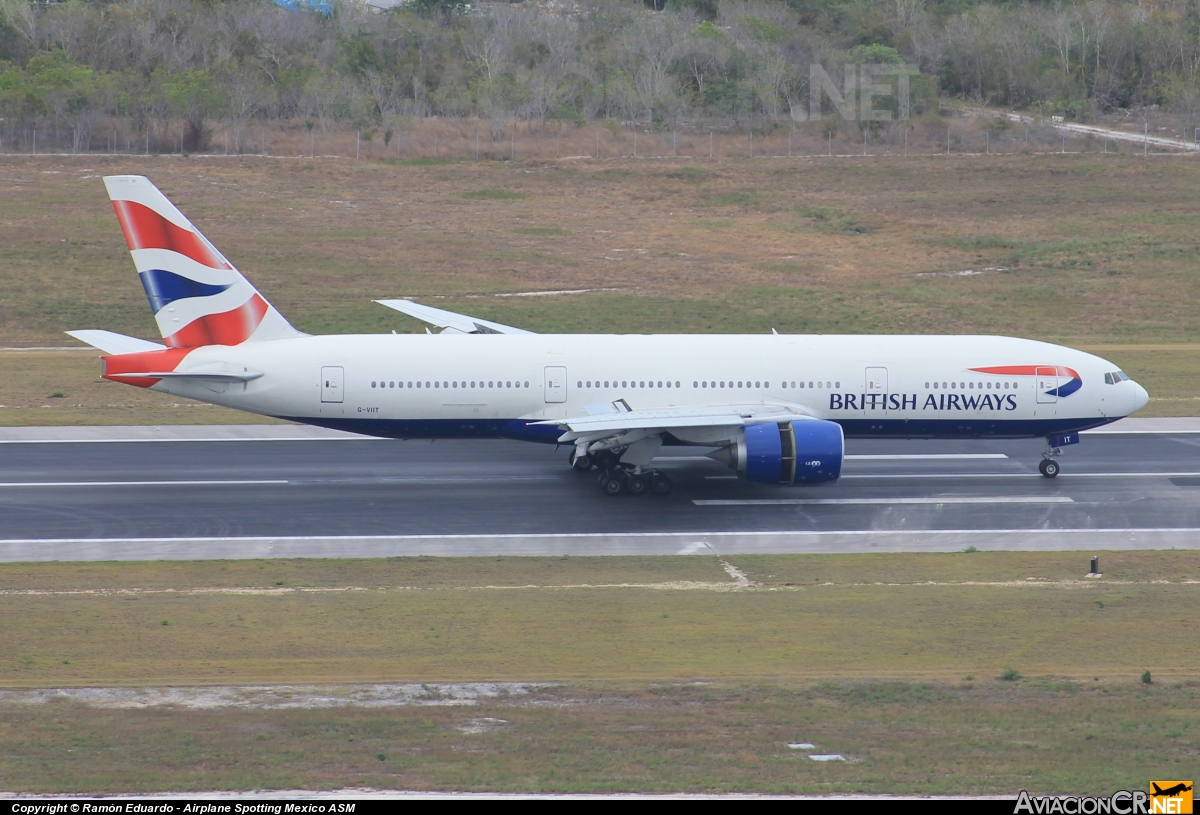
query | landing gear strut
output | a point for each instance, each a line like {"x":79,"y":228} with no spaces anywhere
{"x":1054,"y":445}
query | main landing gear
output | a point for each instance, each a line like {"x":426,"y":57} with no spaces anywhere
{"x":617,"y":478}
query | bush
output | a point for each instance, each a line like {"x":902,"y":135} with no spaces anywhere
{"x":1010,"y":674}
{"x":1146,"y":680}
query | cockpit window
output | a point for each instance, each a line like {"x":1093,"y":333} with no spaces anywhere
{"x":1115,"y":377}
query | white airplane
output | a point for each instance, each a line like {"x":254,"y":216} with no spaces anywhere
{"x":776,"y":407}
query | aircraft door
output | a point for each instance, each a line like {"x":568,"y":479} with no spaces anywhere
{"x":1046,"y":381}
{"x":331,"y":383}
{"x":875,"y":393}
{"x":556,"y":384}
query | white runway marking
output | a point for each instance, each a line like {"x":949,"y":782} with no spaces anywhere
{"x":924,"y":457}
{"x":949,"y":499}
{"x":191,"y":440}
{"x":898,"y":457}
{"x":1020,"y":475}
{"x":139,"y":483}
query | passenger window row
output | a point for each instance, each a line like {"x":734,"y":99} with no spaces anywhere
{"x":643,"y":383}
{"x":480,"y":384}
{"x":969,"y":385}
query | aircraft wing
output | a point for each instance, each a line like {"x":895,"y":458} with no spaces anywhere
{"x":620,"y":419}
{"x":449,"y":321}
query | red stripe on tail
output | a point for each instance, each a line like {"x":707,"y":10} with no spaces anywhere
{"x":146,"y":229}
{"x":227,"y":328}
{"x":116,"y":366}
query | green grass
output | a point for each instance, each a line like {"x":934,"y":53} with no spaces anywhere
{"x":540,"y":230}
{"x":664,"y":675}
{"x":940,"y":738}
{"x":495,"y":195}
{"x":904,"y":617}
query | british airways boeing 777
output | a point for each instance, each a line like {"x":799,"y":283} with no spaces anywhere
{"x":777,"y":408}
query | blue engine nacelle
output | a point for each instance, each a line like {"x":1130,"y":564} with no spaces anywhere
{"x":809,"y":451}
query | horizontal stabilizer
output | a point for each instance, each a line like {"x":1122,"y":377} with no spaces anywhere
{"x":209,"y":376}
{"x":449,"y":320}
{"x":112,"y":343}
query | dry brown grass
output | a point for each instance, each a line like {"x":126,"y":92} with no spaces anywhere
{"x":1090,"y":250}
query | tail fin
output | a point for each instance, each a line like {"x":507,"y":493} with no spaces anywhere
{"x":198,"y":297}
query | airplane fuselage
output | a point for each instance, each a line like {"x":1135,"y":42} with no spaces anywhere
{"x":493,"y":385}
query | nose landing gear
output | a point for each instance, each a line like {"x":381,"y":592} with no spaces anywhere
{"x":1054,"y":445}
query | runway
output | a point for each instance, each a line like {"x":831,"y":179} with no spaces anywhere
{"x":203,"y":493}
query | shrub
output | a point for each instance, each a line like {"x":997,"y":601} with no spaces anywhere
{"x":1010,"y":674}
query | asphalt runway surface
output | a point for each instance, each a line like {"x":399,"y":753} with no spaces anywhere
{"x":292,"y":494}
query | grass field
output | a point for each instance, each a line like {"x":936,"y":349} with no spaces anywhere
{"x":665,"y":673}
{"x":1095,"y":251}
{"x":912,"y":617}
{"x":929,"y":738}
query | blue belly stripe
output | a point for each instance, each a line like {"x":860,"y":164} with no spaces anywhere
{"x":523,"y":430}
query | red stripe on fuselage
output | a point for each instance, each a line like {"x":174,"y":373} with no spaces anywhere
{"x":1027,"y":370}
{"x":227,"y":328}
{"x":116,"y":365}
{"x":146,"y":229}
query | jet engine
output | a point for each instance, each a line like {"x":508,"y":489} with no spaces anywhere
{"x":809,"y":451}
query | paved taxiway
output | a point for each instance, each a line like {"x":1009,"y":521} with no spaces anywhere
{"x":100,"y":494}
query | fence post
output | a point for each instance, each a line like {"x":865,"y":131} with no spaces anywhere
{"x":435,"y":135}
{"x":1145,"y":139}
{"x":476,"y":144}
{"x":906,"y":141}
{"x":674,"y":144}
{"x":987,"y":140}
{"x":751,"y":144}
{"x":358,"y":144}
{"x":512,"y":144}
{"x":790,"y":132}
{"x":35,"y":142}
{"x":710,"y":144}
{"x":635,"y":142}
{"x":597,"y":144}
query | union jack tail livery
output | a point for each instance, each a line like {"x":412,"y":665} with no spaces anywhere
{"x":198,"y":297}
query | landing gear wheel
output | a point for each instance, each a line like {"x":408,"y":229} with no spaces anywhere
{"x":638,"y":484}
{"x":611,"y":483}
{"x":660,"y":484}
{"x":1048,"y":467}
{"x":605,"y":459}
{"x":583,"y":462}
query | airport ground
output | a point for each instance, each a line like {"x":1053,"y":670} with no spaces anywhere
{"x":892,"y":660}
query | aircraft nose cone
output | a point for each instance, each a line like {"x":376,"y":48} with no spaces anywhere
{"x":1140,"y":397}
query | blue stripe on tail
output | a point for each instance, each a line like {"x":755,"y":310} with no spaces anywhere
{"x":163,"y":288}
